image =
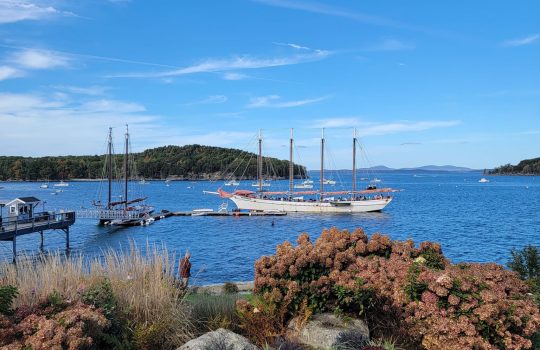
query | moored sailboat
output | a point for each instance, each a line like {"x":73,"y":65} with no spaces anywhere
{"x":126,"y":211}
{"x":320,"y":201}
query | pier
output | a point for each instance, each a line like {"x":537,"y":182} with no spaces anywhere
{"x":22,"y":220}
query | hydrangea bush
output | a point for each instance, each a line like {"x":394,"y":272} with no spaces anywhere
{"x":439,"y":305}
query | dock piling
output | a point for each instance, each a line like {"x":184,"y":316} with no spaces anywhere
{"x":15,"y":248}
{"x":41,"y":244}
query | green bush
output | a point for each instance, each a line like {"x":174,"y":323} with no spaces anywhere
{"x":7,"y":295}
{"x":118,"y":335}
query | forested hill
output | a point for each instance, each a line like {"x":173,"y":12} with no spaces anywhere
{"x":525,"y":167}
{"x":186,"y":162}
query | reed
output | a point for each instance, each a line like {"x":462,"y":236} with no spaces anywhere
{"x":142,"y":281}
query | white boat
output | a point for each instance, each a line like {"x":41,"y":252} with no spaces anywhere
{"x":143,"y":182}
{"x":303,"y":185}
{"x":308,"y":182}
{"x":60,"y":184}
{"x":376,"y":180}
{"x":329,"y":182}
{"x":44,"y":185}
{"x":232,"y":183}
{"x":483,"y":180}
{"x":262,"y":184}
{"x":320,"y":201}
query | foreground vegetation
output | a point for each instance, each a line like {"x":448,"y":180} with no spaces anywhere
{"x":525,"y":167}
{"x":411,"y":296}
{"x":186,"y":162}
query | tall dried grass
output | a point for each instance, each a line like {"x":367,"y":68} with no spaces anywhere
{"x":143,"y":284}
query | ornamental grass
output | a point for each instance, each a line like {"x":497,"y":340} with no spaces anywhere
{"x":137,"y":290}
{"x":411,"y":293}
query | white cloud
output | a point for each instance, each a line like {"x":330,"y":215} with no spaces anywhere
{"x":294,"y":46}
{"x":19,"y":10}
{"x":234,"y":76}
{"x":100,"y":106}
{"x":213,"y":99}
{"x":39,"y":59}
{"x":274,"y":101}
{"x":7,"y":72}
{"x":521,"y":41}
{"x":373,"y":129}
{"x":94,"y":90}
{"x":235,"y":63}
{"x":64,"y":126}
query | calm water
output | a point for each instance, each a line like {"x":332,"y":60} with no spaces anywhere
{"x":472,"y":221}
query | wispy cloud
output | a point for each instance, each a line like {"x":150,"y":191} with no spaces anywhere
{"x":39,"y":59}
{"x":294,"y":46}
{"x":373,"y":129}
{"x":213,"y":99}
{"x":233,"y":64}
{"x":19,"y":10}
{"x":274,"y":101}
{"x":389,"y":44}
{"x":324,"y":9}
{"x":7,"y":72}
{"x":521,"y":41}
{"x":410,"y":143}
{"x":94,"y":90}
{"x":234,"y":76}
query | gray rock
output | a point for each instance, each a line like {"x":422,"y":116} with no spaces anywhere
{"x":221,"y":339}
{"x":324,"y":331}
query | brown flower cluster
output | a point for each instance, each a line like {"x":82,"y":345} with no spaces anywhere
{"x":439,"y":305}
{"x":35,"y":328}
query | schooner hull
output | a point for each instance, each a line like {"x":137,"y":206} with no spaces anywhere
{"x":258,"y":204}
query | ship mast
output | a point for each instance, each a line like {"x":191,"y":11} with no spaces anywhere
{"x":291,"y":165}
{"x":354,"y":162}
{"x":126,"y":167}
{"x":110,"y":174}
{"x":260,"y":162}
{"x":322,"y":165}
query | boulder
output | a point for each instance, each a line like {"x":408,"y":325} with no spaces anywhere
{"x":221,"y":339}
{"x":324,"y":331}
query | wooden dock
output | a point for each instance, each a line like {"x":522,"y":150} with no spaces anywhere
{"x":228,"y":213}
{"x":41,"y":222}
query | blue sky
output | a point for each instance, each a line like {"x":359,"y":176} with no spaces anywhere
{"x":424,"y":82}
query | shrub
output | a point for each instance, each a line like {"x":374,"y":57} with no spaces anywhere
{"x":230,"y":288}
{"x":7,"y":295}
{"x":260,"y":321}
{"x":427,"y":300}
{"x":77,"y":326}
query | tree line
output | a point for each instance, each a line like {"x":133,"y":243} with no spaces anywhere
{"x":525,"y":167}
{"x":182,"y":162}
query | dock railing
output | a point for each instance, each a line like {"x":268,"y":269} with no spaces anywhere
{"x":39,"y":222}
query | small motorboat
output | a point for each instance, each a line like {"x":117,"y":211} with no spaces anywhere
{"x":483,"y":180}
{"x":232,"y":183}
{"x":61,"y":184}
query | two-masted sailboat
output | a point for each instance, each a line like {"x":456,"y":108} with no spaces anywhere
{"x":124,"y":211}
{"x":321,"y":201}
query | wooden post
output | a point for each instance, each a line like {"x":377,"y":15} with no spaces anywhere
{"x":322,"y":166}
{"x":41,"y":245}
{"x":67,"y":239}
{"x":15,"y":248}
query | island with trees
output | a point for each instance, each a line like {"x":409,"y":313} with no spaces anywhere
{"x":191,"y":162}
{"x":525,"y":167}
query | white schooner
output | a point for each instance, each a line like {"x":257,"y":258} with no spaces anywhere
{"x":321,"y":201}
